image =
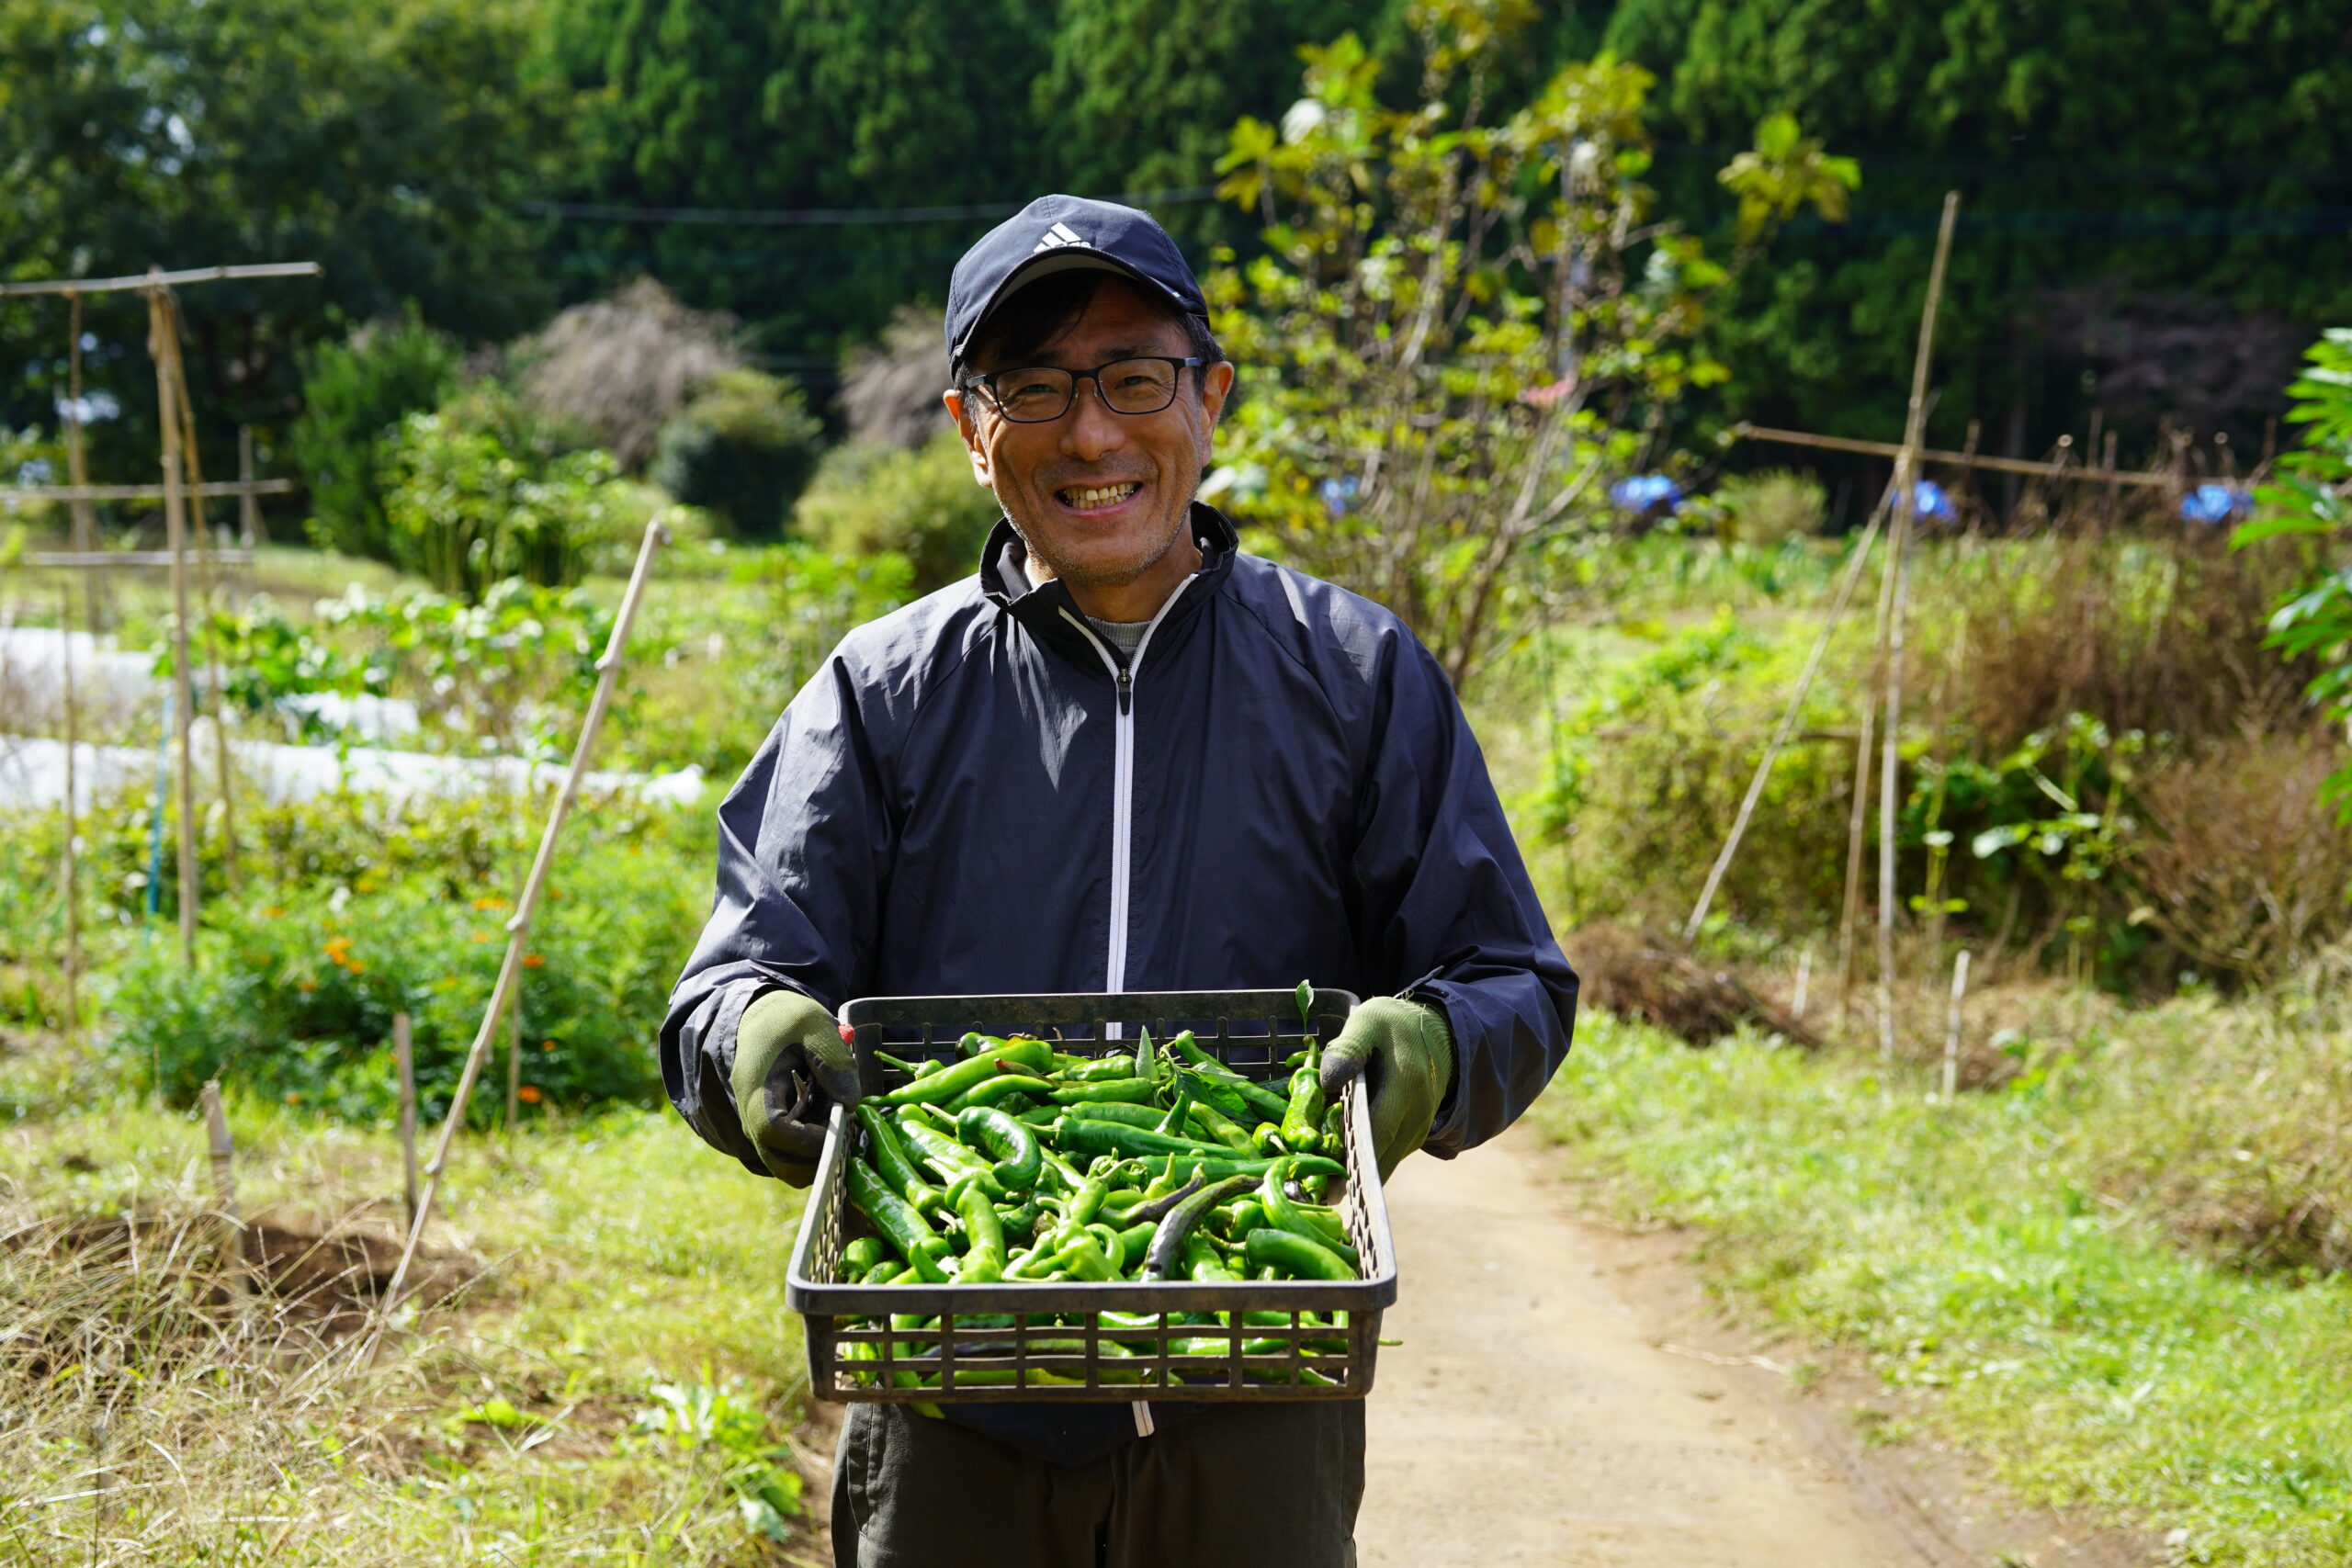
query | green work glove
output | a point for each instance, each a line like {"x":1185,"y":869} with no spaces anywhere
{"x":791,"y":1068}
{"x":1414,"y":1051}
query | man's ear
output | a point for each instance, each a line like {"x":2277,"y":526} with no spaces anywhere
{"x":960,"y":409}
{"x":1217,"y":385}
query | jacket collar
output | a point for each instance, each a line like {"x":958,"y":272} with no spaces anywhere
{"x":1004,"y":578}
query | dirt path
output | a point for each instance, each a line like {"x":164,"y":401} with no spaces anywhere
{"x":1532,"y":1415}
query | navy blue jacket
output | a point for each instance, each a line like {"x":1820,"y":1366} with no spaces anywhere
{"x":975,"y":794}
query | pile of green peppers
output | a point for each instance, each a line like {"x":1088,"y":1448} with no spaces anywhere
{"x":1020,"y":1163}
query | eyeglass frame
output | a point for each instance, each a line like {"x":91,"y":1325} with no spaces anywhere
{"x":987,"y":382}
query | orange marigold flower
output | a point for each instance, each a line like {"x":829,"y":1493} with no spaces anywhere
{"x":528,"y":1094}
{"x":293,"y":1098}
{"x":532,"y":961}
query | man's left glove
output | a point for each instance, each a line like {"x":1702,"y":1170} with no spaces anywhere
{"x":791,"y":1066}
{"x":1414,"y":1050}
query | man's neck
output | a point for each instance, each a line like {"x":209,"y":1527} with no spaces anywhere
{"x":1140,"y":600}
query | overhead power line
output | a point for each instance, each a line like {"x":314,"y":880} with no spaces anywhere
{"x":782,"y":218}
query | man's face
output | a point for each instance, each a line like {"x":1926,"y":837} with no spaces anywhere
{"x":1100,"y":497}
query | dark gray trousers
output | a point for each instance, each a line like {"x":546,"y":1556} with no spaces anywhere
{"x":1271,"y":1485}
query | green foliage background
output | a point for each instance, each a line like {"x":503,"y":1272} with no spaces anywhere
{"x":2152,"y":196}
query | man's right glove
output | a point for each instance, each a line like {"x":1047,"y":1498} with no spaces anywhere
{"x":1413,"y":1050}
{"x":791,"y":1066}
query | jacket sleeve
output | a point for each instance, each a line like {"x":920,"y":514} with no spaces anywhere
{"x":804,"y":850}
{"x":1449,"y":916}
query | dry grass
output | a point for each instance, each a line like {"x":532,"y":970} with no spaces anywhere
{"x":151,"y":1416}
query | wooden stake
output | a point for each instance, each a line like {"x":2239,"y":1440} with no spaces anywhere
{"x":224,"y":1186}
{"x":518,"y":927}
{"x":175,"y":527}
{"x":72,"y":823}
{"x":404,"y":1067}
{"x":1780,"y":734}
{"x":1907,"y":500}
{"x":1951,"y":1026}
{"x":1804,"y":982}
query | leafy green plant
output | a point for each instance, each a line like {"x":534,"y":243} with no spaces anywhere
{"x":697,"y":1418}
{"x":294,"y":991}
{"x":1461,"y":328}
{"x":870,"y":497}
{"x":1768,"y":507}
{"x":743,"y":448}
{"x":480,"y":493}
{"x":355,"y":395}
{"x":2312,"y":498}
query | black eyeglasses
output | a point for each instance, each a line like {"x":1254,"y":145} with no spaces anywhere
{"x":1039,"y":394}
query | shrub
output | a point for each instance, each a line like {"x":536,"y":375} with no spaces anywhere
{"x":355,"y":395}
{"x":294,"y":991}
{"x":614,"y":372}
{"x":743,"y":448}
{"x":478,"y":493}
{"x":1776,"y":505}
{"x":868,"y":498}
{"x":2243,"y":867}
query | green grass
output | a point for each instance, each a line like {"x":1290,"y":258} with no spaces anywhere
{"x":1969,"y":1250}
{"x":619,"y":1383}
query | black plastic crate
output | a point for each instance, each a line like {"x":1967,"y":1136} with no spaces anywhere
{"x":1003,"y":1341}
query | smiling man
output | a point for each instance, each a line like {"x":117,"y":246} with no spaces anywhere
{"x":1124,"y":756}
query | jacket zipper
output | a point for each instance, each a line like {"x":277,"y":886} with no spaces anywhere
{"x":1123,"y":789}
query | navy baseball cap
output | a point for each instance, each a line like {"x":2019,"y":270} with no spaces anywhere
{"x":1064,"y":233}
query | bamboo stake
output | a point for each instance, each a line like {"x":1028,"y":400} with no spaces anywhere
{"x":223,"y":1151}
{"x":404,"y":1067}
{"x":1906,"y":503}
{"x":1945,"y":459}
{"x":1951,"y":1026}
{"x":1857,"y":825}
{"x":195,"y":474}
{"x":1804,"y":982}
{"x":77,"y":466}
{"x":513,"y":1065}
{"x":518,"y":928}
{"x":72,"y":824}
{"x":176,"y":526}
{"x":250,"y":528}
{"x":1781,"y":733}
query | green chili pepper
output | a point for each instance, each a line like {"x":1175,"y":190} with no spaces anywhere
{"x":1202,"y":1262}
{"x":913,"y":1069}
{"x":1168,"y":1245}
{"x":1267,"y":1103}
{"x":983,"y":1233}
{"x":1266,"y":1137}
{"x":949,"y":1082}
{"x":1133,"y":1092}
{"x":1285,"y":1214}
{"x":1296,"y":1256}
{"x":862,"y":1256}
{"x":1135,"y":1242}
{"x":1302,"y":1129}
{"x":1100,"y":1069}
{"x":950,"y":1159}
{"x":997,"y":1091}
{"x":1080,"y":1135}
{"x":1021,"y":1222}
{"x":1219,"y":1126}
{"x":1018,"y":1160}
{"x":1087,"y":1201}
{"x":1174,"y":1121}
{"x":1238,"y":1220}
{"x":898,"y":1221}
{"x":1145,"y":1116}
{"x":890,"y":1158}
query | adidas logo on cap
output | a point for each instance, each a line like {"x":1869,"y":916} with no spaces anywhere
{"x":1060,"y":234}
